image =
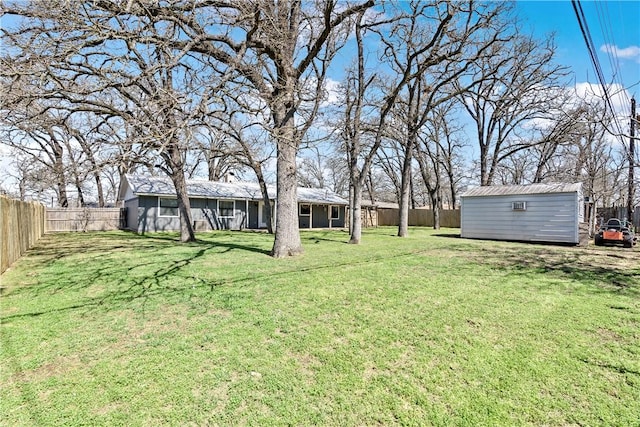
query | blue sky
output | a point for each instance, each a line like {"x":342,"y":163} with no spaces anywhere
{"x":615,"y":30}
{"x":614,"y":26}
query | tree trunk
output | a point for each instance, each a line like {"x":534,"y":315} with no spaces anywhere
{"x":268,"y":205}
{"x":405,"y":190}
{"x":61,"y":183}
{"x":100,"y":190}
{"x":187,"y":233}
{"x":356,"y":216}
{"x":23,"y":190}
{"x":184,"y":206}
{"x":351,"y":204}
{"x":287,"y":241}
{"x":483,"y":168}
{"x":81,"y":202}
{"x":95,"y":170}
{"x":452,"y":189}
{"x":435,"y":205}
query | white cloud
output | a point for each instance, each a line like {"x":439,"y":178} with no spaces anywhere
{"x":631,"y":52}
{"x":590,"y":92}
{"x":333,"y":91}
{"x":594,"y":93}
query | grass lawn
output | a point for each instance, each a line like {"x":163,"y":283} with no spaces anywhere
{"x":120,"y":329}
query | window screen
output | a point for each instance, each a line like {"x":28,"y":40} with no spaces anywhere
{"x":305,"y":210}
{"x":225,"y":208}
{"x":335,"y":212}
{"x":168,"y":207}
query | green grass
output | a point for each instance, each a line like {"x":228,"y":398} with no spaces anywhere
{"x":121,"y":329}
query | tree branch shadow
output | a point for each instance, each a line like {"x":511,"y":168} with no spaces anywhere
{"x":584,"y":265}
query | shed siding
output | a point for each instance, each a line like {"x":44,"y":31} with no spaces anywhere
{"x":547,"y":218}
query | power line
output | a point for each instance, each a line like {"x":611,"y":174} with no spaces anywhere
{"x":584,"y":28}
{"x":604,"y":18}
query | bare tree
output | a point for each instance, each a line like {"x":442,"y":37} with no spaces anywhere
{"x":549,"y":138}
{"x":281,"y":51}
{"x":592,"y":158}
{"x":142,"y":55}
{"x":251,"y":148}
{"x":514,"y":85}
{"x":366,"y":109}
{"x":117,"y":60}
{"x":41,"y":139}
{"x":33,"y":178}
{"x":388,"y":160}
{"x":213,"y":148}
{"x":324,"y":169}
{"x":437,"y":152}
{"x":427,"y":47}
{"x":90,"y":145}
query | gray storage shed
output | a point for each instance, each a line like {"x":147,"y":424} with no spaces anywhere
{"x":532,"y":213}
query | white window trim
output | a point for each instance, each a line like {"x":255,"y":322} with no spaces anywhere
{"x":331,"y":217}
{"x":218,"y":208}
{"x":300,"y":209}
{"x":160,"y":215}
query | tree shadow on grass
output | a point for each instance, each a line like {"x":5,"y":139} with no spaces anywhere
{"x":58,"y":246}
{"x":129,"y":266}
{"x":148,"y":266}
{"x":138,"y":279}
{"x":448,"y":235}
{"x":324,"y":236}
{"x":619,"y":368}
{"x":116,"y":277}
{"x":208,"y":241}
{"x":606,"y":272}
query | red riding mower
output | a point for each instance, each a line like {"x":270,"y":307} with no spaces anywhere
{"x":616,"y":232}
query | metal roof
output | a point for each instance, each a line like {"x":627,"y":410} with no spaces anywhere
{"x":319,"y":195}
{"x":509,"y":190}
{"x":163,"y":186}
{"x":379,"y":204}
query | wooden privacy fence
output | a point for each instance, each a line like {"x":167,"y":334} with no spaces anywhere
{"x":449,"y":218}
{"x":619,"y":212}
{"x":85,"y":219}
{"x":22,"y":224}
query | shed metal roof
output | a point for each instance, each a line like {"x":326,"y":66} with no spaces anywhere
{"x":163,"y":186}
{"x":509,"y":190}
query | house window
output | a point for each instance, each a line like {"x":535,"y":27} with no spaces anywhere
{"x":226,"y":208}
{"x":305,"y":210}
{"x":167,"y":207}
{"x":335,"y":212}
{"x":519,"y":206}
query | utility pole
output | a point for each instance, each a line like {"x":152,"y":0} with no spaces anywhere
{"x":632,"y":133}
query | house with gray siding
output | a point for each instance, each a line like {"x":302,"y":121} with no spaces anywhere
{"x":152,"y":205}
{"x":532,"y":213}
